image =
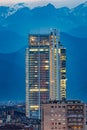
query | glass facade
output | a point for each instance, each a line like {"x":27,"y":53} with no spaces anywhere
{"x":62,"y":73}
{"x":38,"y":74}
{"x":54,"y":66}
{"x":45,"y":72}
{"x":57,"y":68}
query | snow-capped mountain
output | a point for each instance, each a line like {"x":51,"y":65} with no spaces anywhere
{"x":63,"y":18}
{"x":8,"y":11}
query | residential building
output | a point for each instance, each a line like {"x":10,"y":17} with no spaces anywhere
{"x":63,"y":115}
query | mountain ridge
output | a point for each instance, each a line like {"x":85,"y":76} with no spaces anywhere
{"x":45,"y":17}
{"x":19,"y":6}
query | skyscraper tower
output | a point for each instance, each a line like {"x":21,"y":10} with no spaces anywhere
{"x":45,"y":72}
{"x":37,"y":74}
{"x":57,"y":67}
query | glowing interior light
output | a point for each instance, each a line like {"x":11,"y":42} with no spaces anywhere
{"x":33,"y":50}
{"x":46,"y":61}
{"x":32,"y":38}
{"x":35,"y":106}
{"x":37,"y":90}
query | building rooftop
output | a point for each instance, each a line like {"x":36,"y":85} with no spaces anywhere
{"x":63,"y":101}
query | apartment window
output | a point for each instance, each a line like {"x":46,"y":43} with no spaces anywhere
{"x":52,"y":123}
{"x":55,"y":123}
{"x":59,"y":123}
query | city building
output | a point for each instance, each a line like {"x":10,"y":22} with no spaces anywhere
{"x":13,"y":118}
{"x":86,"y":116}
{"x":45,"y":71}
{"x":63,"y":115}
{"x":15,"y":127}
{"x":76,"y":115}
{"x":37,"y":74}
{"x":57,"y":68}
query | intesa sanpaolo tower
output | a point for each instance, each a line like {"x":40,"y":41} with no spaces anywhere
{"x":45,"y":71}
